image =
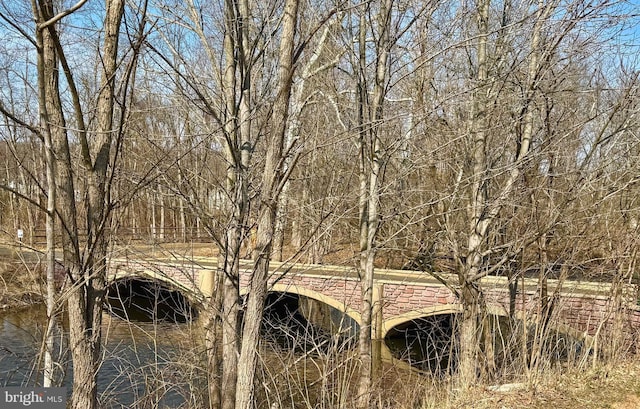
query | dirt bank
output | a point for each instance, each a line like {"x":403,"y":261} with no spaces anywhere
{"x":21,"y":277}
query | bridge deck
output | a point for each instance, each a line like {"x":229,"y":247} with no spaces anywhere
{"x":383,"y":276}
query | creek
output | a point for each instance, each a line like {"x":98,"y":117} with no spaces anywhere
{"x":153,"y":363}
{"x":141,"y":359}
{"x":159,"y":363}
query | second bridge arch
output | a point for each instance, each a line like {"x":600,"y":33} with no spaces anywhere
{"x":303,"y":320}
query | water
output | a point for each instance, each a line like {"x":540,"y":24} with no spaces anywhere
{"x":153,"y":365}
{"x":162,"y":365}
{"x":155,"y":357}
{"x":145,"y":365}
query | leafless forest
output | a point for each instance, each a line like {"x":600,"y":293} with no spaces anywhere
{"x":470,"y":137}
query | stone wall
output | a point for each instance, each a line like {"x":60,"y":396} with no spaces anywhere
{"x":585,"y":312}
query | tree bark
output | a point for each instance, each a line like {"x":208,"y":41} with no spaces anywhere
{"x":45,"y":62}
{"x":237,"y":127}
{"x":212,"y":339}
{"x":87,"y":271}
{"x":371,"y":162}
{"x":85,"y":304}
{"x":271,"y":186}
{"x":471,"y":292}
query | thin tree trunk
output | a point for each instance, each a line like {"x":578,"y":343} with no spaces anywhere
{"x":49,"y":359}
{"x":183,"y":221}
{"x":162,"y":214}
{"x":153,"y":228}
{"x":237,"y":131}
{"x":471,"y":292}
{"x":371,"y":159}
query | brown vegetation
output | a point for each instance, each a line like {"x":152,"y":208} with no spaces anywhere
{"x":479,"y":138}
{"x":21,"y":280}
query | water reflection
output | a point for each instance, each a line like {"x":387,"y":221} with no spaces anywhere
{"x":20,"y":337}
{"x":144,"y":364}
{"x":143,"y":300}
{"x":425,"y":343}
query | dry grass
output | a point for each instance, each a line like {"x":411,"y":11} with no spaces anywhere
{"x":21,"y":280}
{"x":611,"y":386}
{"x":608,"y":386}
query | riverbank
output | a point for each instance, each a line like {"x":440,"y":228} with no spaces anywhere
{"x":21,"y":277}
{"x":615,"y":386}
{"x":607,"y":385}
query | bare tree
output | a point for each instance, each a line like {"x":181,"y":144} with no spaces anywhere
{"x":84,"y":242}
{"x":370,"y":117}
{"x":270,"y":189}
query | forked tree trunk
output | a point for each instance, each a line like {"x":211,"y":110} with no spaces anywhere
{"x":271,"y":188}
{"x":478,"y":223}
{"x":85,"y":304}
{"x":482,"y":210}
{"x":87,"y":275}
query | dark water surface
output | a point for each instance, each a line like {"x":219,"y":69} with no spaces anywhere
{"x":162,"y":365}
{"x":145,"y":365}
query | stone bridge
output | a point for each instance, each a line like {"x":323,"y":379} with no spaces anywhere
{"x":582,"y":309}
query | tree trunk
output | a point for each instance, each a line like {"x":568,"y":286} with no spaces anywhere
{"x":152,"y":225}
{"x":237,"y":127}
{"x":49,"y":359}
{"x":478,"y":222}
{"x":87,"y":274}
{"x":271,"y":188}
{"x":85,"y":304}
{"x":163,"y":210}
{"x":213,"y":338}
{"x":482,"y":211}
{"x":371,"y":162}
{"x":467,"y":367}
{"x":230,"y":310}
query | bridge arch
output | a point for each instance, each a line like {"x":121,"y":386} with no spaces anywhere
{"x":445,"y":309}
{"x":187,"y":290}
{"x":298,"y":318}
{"x":566,"y":341}
{"x":315,"y":295}
{"x":498,"y":310}
{"x":146,"y":295}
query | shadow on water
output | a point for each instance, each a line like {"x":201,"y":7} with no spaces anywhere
{"x":295,"y":323}
{"x":140,"y":300}
{"x":425,"y":343}
{"x":430,"y":344}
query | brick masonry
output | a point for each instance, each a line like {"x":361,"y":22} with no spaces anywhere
{"x":585,"y":311}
